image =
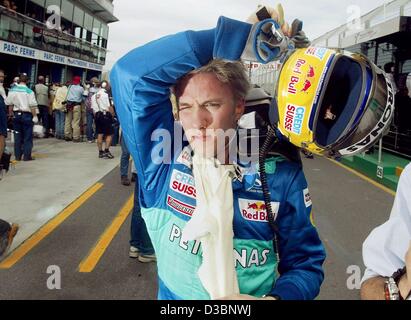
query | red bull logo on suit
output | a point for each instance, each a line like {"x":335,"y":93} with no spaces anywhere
{"x":256,"y":210}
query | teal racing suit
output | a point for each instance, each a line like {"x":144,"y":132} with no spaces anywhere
{"x":141,"y":82}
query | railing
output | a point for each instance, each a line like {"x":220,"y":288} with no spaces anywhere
{"x":381,"y":14}
{"x":20,"y":29}
{"x":398,"y":142}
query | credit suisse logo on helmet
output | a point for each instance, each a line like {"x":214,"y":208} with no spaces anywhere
{"x":294,"y":117}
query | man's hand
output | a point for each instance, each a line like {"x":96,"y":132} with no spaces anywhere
{"x":269,"y":41}
{"x":245,"y":297}
{"x":405,"y":282}
{"x":35,"y":120}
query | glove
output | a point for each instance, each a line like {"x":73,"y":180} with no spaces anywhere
{"x":264,"y":12}
{"x":298,"y":36}
{"x":35,"y":120}
{"x":271,"y":38}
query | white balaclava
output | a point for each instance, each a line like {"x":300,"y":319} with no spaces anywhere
{"x":212,"y":223}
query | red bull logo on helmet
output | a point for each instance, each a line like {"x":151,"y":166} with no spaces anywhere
{"x":307,"y":85}
{"x":294,"y":117}
{"x":311,"y":72}
{"x":256,"y":210}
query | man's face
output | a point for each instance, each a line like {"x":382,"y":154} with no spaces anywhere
{"x":207,"y":111}
{"x":1,"y":77}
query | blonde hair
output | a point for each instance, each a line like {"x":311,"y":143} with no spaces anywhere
{"x":232,"y":73}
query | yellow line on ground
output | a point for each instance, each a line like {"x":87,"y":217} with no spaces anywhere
{"x":378,"y":185}
{"x":90,"y":262}
{"x":49,"y":227}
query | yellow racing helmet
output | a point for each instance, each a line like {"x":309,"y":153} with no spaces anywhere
{"x":332,"y":102}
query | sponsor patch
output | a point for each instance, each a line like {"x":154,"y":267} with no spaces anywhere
{"x":307,"y":198}
{"x":179,"y":206}
{"x":185,"y":157}
{"x":255,"y":210}
{"x":294,"y":116}
{"x":316,"y":52}
{"x":183,"y":183}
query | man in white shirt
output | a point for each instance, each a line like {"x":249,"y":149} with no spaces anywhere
{"x":387,"y":250}
{"x":22,"y":105}
{"x":103,"y":115}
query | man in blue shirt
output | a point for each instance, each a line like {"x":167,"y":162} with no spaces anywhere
{"x":75,"y":98}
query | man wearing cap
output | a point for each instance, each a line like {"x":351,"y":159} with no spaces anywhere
{"x":23,"y":106}
{"x":73,"y":113}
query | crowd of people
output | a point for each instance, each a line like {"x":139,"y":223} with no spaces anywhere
{"x":67,"y":111}
{"x":70,"y":111}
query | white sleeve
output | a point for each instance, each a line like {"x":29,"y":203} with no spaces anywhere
{"x":385,"y":248}
{"x":105,"y":100}
{"x":94,"y":105}
{"x":32,"y":100}
{"x":9,"y":100}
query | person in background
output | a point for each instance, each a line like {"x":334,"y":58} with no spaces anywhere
{"x":389,"y":69}
{"x":3,"y":118}
{"x":22,"y":106}
{"x":59,"y":111}
{"x":73,"y":111}
{"x":124,"y":162}
{"x":2,"y":89}
{"x":141,"y":246}
{"x":15,"y":82}
{"x":52,"y":122}
{"x":116,"y":124}
{"x":103,"y":114}
{"x":91,"y":90}
{"x":43,"y":100}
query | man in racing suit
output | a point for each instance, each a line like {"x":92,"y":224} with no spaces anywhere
{"x":141,"y":88}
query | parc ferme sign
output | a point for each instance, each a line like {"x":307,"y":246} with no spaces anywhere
{"x":26,"y":52}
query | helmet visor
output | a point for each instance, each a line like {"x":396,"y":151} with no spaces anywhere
{"x":375,"y":121}
{"x":341,"y":102}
